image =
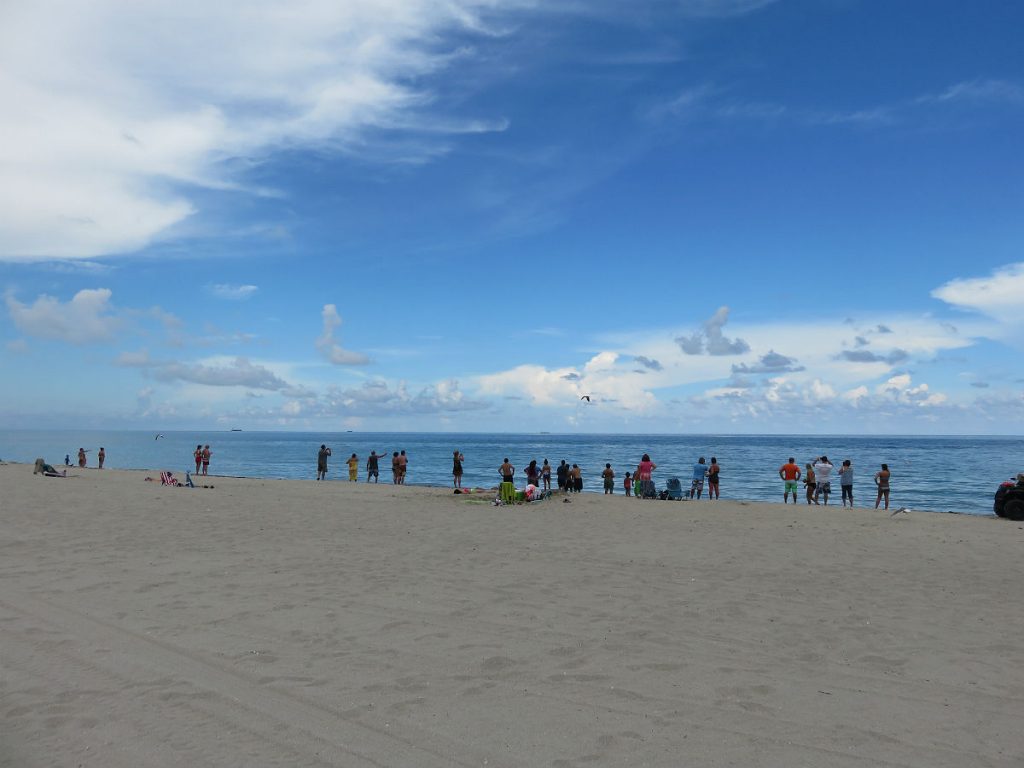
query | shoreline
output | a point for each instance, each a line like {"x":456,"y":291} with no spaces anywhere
{"x":586,"y":491}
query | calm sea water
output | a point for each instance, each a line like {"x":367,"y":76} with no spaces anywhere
{"x":958,"y":474}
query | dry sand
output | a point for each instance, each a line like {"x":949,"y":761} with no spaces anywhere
{"x":294,"y":623}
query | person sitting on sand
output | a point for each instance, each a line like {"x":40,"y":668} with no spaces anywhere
{"x":42,"y":468}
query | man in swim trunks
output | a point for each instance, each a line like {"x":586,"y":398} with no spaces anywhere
{"x":507,"y":471}
{"x":403,"y":467}
{"x":372,"y":466}
{"x":321,"y":462}
{"x":790,"y":474}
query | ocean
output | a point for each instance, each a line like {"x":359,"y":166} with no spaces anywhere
{"x":943,"y":474}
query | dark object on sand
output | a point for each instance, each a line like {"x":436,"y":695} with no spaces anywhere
{"x":674,"y":489}
{"x":1009,"y":501}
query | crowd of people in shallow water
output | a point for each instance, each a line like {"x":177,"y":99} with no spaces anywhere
{"x":815,"y":476}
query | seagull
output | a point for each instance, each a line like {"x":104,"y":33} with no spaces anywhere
{"x":904,"y":510}
{"x":586,"y":397}
{"x":158,"y":437}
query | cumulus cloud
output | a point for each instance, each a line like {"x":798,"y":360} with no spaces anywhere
{"x":232,"y":292}
{"x":327,"y":345}
{"x":711,"y":338}
{"x":114,"y":111}
{"x":772,"y":362}
{"x":89,"y":317}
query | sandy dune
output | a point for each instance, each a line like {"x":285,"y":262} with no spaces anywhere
{"x":294,"y":623}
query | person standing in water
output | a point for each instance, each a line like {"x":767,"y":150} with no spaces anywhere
{"x":811,"y":483}
{"x":609,"y":479}
{"x":457,"y":459}
{"x":713,"y":469}
{"x":790,"y":475}
{"x":373,"y":466}
{"x":846,"y":482}
{"x":321,"y":462}
{"x":545,"y":475}
{"x":882,"y":481}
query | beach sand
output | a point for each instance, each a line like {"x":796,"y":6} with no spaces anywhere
{"x":295,"y":623}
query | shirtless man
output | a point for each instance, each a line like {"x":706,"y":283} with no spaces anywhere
{"x":507,"y":471}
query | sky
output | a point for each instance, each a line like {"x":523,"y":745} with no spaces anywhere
{"x":707,"y":216}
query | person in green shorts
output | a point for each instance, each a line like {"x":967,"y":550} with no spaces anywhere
{"x":790,"y":474}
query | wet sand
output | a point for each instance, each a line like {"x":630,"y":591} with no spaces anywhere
{"x":295,"y":623}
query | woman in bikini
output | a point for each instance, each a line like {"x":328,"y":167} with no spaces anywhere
{"x":882,"y":481}
{"x":198,"y":456}
{"x":545,"y":475}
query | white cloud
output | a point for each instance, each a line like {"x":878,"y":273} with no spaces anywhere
{"x":327,"y":345}
{"x":89,"y":317}
{"x":239,"y":372}
{"x":232,"y":292}
{"x":112,"y":108}
{"x":1000,"y":295}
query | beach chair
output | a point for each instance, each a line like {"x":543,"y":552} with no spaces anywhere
{"x":507,"y":493}
{"x":674,"y":488}
{"x":166,"y":478}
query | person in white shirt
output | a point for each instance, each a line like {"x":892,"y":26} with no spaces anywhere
{"x":822,"y":474}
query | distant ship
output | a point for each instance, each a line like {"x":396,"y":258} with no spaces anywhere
{"x":236,"y":429}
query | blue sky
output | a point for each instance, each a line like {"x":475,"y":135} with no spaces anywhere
{"x":707,"y":215}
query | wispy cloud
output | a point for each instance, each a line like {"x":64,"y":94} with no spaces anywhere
{"x":232,"y":292}
{"x":998,"y":295}
{"x":106,"y":132}
{"x":240,"y":372}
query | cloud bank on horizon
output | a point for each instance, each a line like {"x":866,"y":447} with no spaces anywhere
{"x":196,"y":196}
